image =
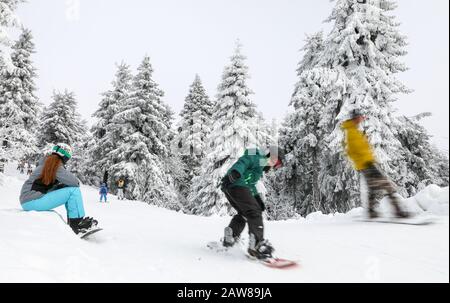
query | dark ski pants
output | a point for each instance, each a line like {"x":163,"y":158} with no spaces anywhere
{"x":249,"y":211}
{"x":377,"y":182}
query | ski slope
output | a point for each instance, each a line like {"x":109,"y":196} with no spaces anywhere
{"x":142,"y":243}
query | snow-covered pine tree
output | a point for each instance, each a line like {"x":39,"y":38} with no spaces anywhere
{"x":61,"y":122}
{"x":142,"y":136}
{"x":303,"y":134}
{"x":365,"y":44}
{"x":193,"y":129}
{"x":233,"y":130}
{"x":442,"y":166}
{"x":80,"y":162}
{"x":313,"y":50}
{"x":298,"y":136}
{"x":263,"y":132}
{"x":7,"y":20}
{"x":105,"y":139}
{"x":19,"y":106}
{"x":195,"y":122}
{"x":318,"y":90}
{"x":425,"y":164}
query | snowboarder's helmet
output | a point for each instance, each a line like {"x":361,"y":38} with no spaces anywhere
{"x":64,"y":151}
{"x":355,"y":114}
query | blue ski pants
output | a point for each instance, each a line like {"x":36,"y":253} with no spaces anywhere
{"x":70,"y":197}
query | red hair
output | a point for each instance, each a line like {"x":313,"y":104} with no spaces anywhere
{"x":51,"y":165}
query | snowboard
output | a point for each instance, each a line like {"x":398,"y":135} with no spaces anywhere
{"x":90,"y":233}
{"x":417,"y":220}
{"x":277,"y":263}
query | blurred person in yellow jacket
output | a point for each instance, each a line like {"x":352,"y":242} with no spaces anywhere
{"x":360,"y":152}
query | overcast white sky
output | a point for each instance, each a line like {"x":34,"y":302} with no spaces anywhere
{"x":79,"y":41}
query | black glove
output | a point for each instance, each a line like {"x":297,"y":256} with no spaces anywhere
{"x":230,"y":178}
{"x":260,"y":202}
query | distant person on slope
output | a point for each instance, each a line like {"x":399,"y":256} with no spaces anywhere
{"x":239,"y":186}
{"x":360,"y":152}
{"x":120,"y":188}
{"x":51,"y":185}
{"x":103,"y":192}
{"x":22,"y":168}
{"x":30,"y":169}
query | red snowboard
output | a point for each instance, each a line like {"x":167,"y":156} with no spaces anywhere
{"x":277,"y":263}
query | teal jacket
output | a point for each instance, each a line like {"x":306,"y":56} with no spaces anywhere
{"x":251,"y":168}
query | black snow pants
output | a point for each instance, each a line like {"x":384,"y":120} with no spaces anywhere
{"x":248,"y":211}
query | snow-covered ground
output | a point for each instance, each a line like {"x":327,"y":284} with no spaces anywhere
{"x":142,"y":243}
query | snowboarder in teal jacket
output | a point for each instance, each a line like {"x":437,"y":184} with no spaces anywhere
{"x":239,"y":186}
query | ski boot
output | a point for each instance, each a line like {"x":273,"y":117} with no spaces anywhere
{"x":229,"y":240}
{"x":263,"y":250}
{"x":83,"y":225}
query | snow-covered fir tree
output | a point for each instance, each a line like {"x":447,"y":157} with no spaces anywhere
{"x":304,"y":137}
{"x":142,"y":136}
{"x":19,"y":106}
{"x":235,"y":120}
{"x":61,"y":122}
{"x":193,"y":129}
{"x":264,"y":135}
{"x":80,"y":164}
{"x":8,"y":20}
{"x":313,"y":50}
{"x":303,"y":134}
{"x":294,"y":183}
{"x":426,"y":165}
{"x":105,"y":139}
{"x":195,"y":122}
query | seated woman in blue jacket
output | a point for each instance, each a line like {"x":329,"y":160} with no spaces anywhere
{"x":51,"y":186}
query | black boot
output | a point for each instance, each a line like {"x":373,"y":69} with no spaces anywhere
{"x":82,"y":225}
{"x":73,"y":223}
{"x":263,"y":250}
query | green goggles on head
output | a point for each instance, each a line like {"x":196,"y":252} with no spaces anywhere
{"x":62,"y":153}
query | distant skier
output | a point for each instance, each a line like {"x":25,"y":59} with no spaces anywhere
{"x":51,"y":186}
{"x":239,"y":186}
{"x":360,"y":152}
{"x":29,"y":170}
{"x":103,"y":192}
{"x":22,"y":168}
{"x":120,"y":189}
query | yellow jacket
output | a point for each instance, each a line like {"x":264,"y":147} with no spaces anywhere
{"x":357,"y":146}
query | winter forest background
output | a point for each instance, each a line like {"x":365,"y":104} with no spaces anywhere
{"x":177,"y":162}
